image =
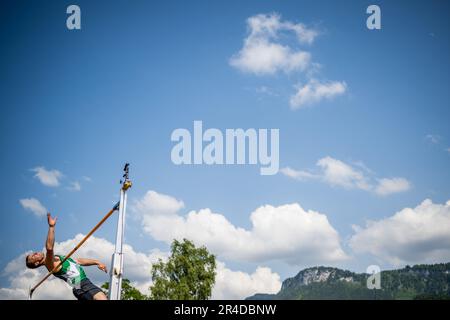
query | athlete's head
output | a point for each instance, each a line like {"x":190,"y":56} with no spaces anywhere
{"x":34,"y":260}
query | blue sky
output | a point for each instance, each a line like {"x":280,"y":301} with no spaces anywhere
{"x":84,"y":102}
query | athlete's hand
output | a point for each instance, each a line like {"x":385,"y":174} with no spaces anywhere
{"x":51,"y":221}
{"x":102,"y":267}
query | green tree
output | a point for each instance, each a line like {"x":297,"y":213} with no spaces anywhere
{"x":128,"y":292}
{"x":189,"y":273}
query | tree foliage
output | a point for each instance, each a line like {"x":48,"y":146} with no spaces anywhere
{"x":128,"y":292}
{"x":189,"y":273}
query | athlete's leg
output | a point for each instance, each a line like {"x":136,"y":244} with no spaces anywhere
{"x":100,"y":296}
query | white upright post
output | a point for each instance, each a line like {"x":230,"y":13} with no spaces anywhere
{"x":116,"y":271}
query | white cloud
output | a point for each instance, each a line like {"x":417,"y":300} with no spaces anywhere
{"x":49,"y":178}
{"x":297,"y":174}
{"x":265,"y":52}
{"x":33,"y":205}
{"x":412,"y":235}
{"x":338,"y":173}
{"x":239,"y":285}
{"x":287,"y":232}
{"x":137,"y":265}
{"x":261,"y":55}
{"x":268,"y":26}
{"x":393,"y":185}
{"x":361,"y":165}
{"x":154,"y":203}
{"x":335,"y":172}
{"x":315,"y":91}
{"x":75,"y":186}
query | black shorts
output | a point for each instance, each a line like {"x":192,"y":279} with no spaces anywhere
{"x":86,"y":291}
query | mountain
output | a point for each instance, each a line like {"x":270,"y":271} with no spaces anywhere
{"x":417,"y":282}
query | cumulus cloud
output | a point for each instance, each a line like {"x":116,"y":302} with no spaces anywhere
{"x":315,"y":91}
{"x":335,"y":172}
{"x":266,"y":52}
{"x":239,"y":285}
{"x":297,"y":174}
{"x":394,"y":185}
{"x":338,"y":173}
{"x":137,"y":265}
{"x":261,"y":54}
{"x":287,"y":232}
{"x":412,"y":235}
{"x":265,"y":57}
{"x":49,"y":178}
{"x":33,"y":205}
{"x":155,"y":203}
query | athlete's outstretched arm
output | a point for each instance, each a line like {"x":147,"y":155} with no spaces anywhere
{"x":91,"y":262}
{"x":50,"y":243}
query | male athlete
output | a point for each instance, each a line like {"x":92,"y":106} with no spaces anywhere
{"x":71,"y":270}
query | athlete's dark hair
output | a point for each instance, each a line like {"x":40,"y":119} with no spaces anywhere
{"x":29,"y":264}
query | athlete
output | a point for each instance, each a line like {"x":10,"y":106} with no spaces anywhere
{"x":71,"y":271}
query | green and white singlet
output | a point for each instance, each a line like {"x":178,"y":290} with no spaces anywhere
{"x":71,"y":272}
